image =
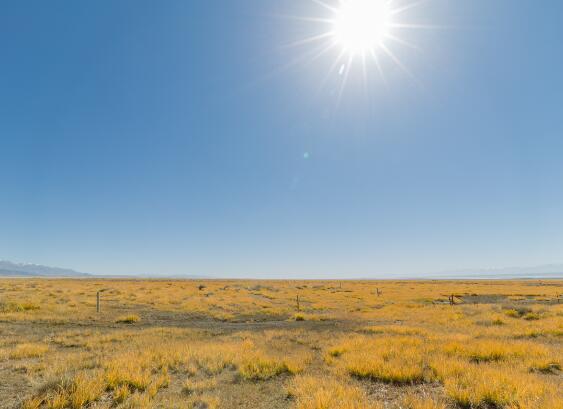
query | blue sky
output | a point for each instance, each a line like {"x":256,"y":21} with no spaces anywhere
{"x":186,"y":137}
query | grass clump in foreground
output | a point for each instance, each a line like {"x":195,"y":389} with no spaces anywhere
{"x":312,"y":392}
{"x":259,"y":366}
{"x":488,"y":385}
{"x":480,"y":386}
{"x":398,"y":360}
{"x":75,"y":393}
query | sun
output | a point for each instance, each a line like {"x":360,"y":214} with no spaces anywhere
{"x":361,"y":26}
{"x":363,"y":35}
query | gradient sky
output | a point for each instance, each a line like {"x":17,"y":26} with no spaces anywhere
{"x":185,"y":137}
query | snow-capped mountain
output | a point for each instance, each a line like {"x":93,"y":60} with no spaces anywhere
{"x":7,"y":268}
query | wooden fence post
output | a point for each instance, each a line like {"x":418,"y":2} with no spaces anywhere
{"x":98,"y":301}
{"x":297,"y":302}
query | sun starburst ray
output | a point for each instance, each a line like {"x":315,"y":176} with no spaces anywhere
{"x":419,"y":26}
{"x":326,"y":6}
{"x":406,"y":7}
{"x":345,"y":77}
{"x":308,"y":40}
{"x":331,"y":69}
{"x":399,"y":63}
{"x":403,"y":42}
{"x":305,"y":18}
{"x":379,"y":68}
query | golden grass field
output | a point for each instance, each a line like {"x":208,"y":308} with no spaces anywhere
{"x":243,"y":344}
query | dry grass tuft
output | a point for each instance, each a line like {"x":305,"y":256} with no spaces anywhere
{"x":121,"y":393}
{"x":494,"y":351}
{"x":129,"y":370}
{"x":28,"y":350}
{"x":75,"y":393}
{"x":259,"y":367}
{"x":322,"y":393}
{"x":85,"y":389}
{"x":393,"y":360}
{"x":32,"y":403}
{"x":484,"y":385}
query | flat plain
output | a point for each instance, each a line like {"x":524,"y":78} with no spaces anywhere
{"x":280,"y":344}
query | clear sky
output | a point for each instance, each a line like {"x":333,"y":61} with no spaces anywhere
{"x":200,"y":137}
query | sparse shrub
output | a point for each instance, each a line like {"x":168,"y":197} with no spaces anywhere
{"x":128,"y":319}
{"x":532,"y":316}
{"x":516,"y":311}
{"x":531,"y":334}
{"x":546,"y":367}
{"x":498,"y":322}
{"x":512,"y":313}
{"x":29,"y":306}
{"x":299,"y":317}
{"x":18,"y":307}
{"x":336,"y":351}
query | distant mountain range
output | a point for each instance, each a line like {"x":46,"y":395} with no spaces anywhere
{"x":9,"y":269}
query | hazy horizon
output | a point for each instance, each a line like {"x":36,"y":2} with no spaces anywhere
{"x":547,"y":271}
